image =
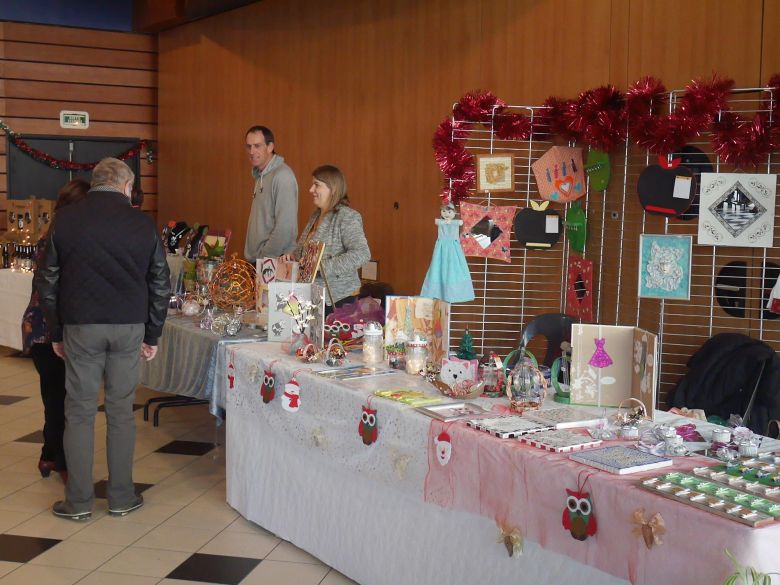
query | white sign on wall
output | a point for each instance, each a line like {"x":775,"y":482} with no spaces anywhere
{"x":72,"y":119}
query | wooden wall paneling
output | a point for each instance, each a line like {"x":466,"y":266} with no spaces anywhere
{"x":99,"y":57}
{"x":770,"y":50}
{"x":344,"y":86}
{"x":106,"y":129}
{"x":365,"y":85}
{"x":525,"y":42}
{"x":113,"y":76}
{"x":680,"y":41}
{"x":98,"y":112}
{"x":78,"y":74}
{"x":619,"y":18}
{"x":203,"y":138}
{"x":104,"y":94}
{"x":77,"y":37}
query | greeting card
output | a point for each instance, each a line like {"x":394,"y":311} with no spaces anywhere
{"x":611,"y":363}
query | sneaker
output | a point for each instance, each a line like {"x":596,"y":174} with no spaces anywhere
{"x":65,"y":509}
{"x":134,"y":504}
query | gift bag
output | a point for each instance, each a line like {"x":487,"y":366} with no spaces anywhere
{"x":345,"y":323}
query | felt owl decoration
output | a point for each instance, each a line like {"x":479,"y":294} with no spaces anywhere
{"x":291,"y":399}
{"x":578,"y":516}
{"x":267,"y":387}
{"x":368,"y":425}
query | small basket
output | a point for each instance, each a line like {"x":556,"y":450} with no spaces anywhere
{"x":628,"y":415}
{"x":335,"y":354}
{"x":307,"y":354}
{"x":462,"y":390}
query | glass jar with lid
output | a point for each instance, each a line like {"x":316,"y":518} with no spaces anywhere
{"x":416,"y":354}
{"x":373,"y":343}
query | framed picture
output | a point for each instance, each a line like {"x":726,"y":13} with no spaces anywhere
{"x":665,"y":267}
{"x":309,"y":263}
{"x":495,"y":173}
{"x":737,"y":209}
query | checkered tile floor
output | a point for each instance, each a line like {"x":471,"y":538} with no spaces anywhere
{"x":184,"y":534}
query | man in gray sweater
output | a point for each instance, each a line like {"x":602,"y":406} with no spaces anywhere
{"x":273,"y":219}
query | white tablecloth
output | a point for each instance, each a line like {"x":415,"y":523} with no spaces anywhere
{"x":191,"y":361}
{"x":15,"y":289}
{"x":361,"y":510}
{"x":368,"y":511}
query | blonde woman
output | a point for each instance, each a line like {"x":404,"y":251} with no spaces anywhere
{"x":340,"y":228}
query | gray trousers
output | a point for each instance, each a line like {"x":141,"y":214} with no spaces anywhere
{"x":96,"y":354}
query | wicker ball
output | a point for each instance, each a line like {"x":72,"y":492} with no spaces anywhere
{"x":233,"y":284}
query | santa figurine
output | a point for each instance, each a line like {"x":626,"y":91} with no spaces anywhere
{"x":231,"y":374}
{"x":443,"y":448}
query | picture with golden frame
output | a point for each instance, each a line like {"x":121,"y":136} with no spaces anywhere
{"x":495,"y":173}
{"x":309,"y":263}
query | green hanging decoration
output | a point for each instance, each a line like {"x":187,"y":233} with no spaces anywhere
{"x":576,"y":227}
{"x":598,"y":169}
{"x":466,"y":347}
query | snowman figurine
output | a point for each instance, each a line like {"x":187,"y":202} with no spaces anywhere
{"x":291,"y":399}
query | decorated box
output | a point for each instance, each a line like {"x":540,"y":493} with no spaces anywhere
{"x":611,"y":363}
{"x":285,"y":301}
{"x":406,"y":316}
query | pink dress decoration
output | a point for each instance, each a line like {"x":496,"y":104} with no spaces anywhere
{"x":600,"y":358}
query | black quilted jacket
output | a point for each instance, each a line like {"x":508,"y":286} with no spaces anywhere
{"x":722,"y":376}
{"x":104,"y":264}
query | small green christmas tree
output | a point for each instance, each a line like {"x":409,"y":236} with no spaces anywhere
{"x":466,"y":347}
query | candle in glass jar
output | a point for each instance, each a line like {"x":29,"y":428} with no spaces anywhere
{"x":416,"y":354}
{"x":373,"y":343}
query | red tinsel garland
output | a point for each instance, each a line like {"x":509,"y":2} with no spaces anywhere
{"x":478,"y":107}
{"x":454,"y":161}
{"x":67,"y":165}
{"x":695,"y":111}
{"x":451,"y":155}
{"x":744,"y":142}
{"x":599,"y":118}
{"x":558,"y":118}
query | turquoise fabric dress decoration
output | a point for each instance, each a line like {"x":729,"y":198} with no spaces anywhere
{"x":448,"y":276}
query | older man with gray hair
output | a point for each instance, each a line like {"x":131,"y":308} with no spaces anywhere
{"x":104,"y":288}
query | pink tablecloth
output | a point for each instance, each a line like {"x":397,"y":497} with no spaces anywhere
{"x":524,"y":487}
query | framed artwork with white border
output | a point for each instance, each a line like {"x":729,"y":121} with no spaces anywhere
{"x":495,"y":173}
{"x":737,"y":209}
{"x":665,"y":267}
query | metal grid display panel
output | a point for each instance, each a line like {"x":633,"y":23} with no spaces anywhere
{"x":510,"y":295}
{"x":685,"y":326}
